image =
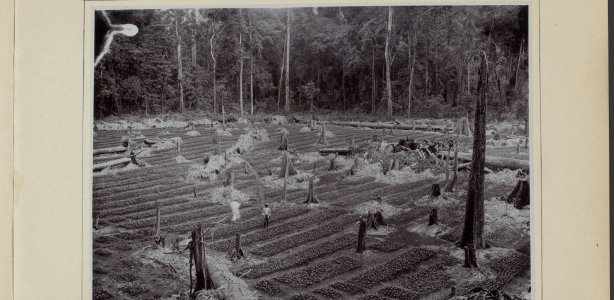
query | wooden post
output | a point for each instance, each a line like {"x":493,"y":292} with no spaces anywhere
{"x":433,"y":217}
{"x":362,"y":234}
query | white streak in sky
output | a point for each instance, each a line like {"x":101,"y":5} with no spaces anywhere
{"x":125,"y":29}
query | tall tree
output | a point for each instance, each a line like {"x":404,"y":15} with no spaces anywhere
{"x":388,"y":61}
{"x":179,"y":64}
{"x":473,"y":230}
{"x":287,"y":107}
{"x":240,"y":62}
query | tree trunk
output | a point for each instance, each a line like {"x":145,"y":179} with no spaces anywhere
{"x":411,"y":73}
{"x":238,"y":250}
{"x":311,"y":198}
{"x":388,"y":62}
{"x":287,"y":107}
{"x":433,"y":217}
{"x":251,"y":66}
{"x":474,"y":212}
{"x":520,"y":196}
{"x":373,"y":80}
{"x":281,"y":77}
{"x":240,"y":75}
{"x":343,"y":83}
{"x":196,"y":252}
{"x":211,"y":40}
{"x":179,"y":67}
{"x":362,"y":236}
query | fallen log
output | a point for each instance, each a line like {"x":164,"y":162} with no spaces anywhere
{"x":494,"y":162}
{"x":112,"y":163}
{"x":390,"y":126}
{"x":108,"y":150}
{"x":340,"y":151}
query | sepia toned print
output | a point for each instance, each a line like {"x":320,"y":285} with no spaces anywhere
{"x":311,"y":153}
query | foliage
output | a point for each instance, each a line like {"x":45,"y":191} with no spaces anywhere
{"x":336,"y":60}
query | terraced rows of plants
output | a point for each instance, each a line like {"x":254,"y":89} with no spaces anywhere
{"x":306,"y":253}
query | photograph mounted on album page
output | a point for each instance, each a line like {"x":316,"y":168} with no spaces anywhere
{"x":289,"y":150}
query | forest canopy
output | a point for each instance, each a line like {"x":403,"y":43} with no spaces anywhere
{"x":409,"y":61}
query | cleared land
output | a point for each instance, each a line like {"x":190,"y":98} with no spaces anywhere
{"x":307,"y":252}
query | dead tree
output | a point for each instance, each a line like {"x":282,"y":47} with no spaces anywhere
{"x":362,"y":236}
{"x":322,"y":139}
{"x":194,"y":192}
{"x":178,"y":147}
{"x":433,"y":217}
{"x":223,"y":118}
{"x":197,"y":256}
{"x":286,"y":163}
{"x":450,"y":187}
{"x":520,"y":196}
{"x":156,"y":229}
{"x":311,"y":198}
{"x":238,"y":254}
{"x":435,"y":190}
{"x":230,"y":180}
{"x":284,"y":141}
{"x":473,"y":228}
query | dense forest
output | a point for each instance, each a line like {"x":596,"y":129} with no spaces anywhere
{"x":419,"y":61}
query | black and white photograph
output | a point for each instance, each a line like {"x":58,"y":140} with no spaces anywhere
{"x":304,"y":153}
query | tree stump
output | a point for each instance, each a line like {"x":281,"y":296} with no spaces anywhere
{"x":269,"y":172}
{"x":178,"y":143}
{"x":435,"y":190}
{"x":284,"y":142}
{"x":156,"y":229}
{"x":433,"y":217}
{"x":311,"y":198}
{"x":230,"y":180}
{"x":194,"y":192}
{"x":375,"y":138}
{"x":238,"y":254}
{"x":450,"y":187}
{"x":223,"y":119}
{"x":371,"y":224}
{"x":322,"y":138}
{"x":520,"y":195}
{"x":362,"y":236}
{"x":286,"y":163}
{"x":333,"y":164}
{"x":470,"y":258}
{"x":196,"y":254}
{"x":96,"y":219}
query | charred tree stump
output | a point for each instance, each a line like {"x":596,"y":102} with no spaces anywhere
{"x":156,"y":229}
{"x":470,"y":257}
{"x":333,"y":164}
{"x":311,"y":198}
{"x":196,"y":254}
{"x":322,"y":138}
{"x":520,"y":195}
{"x":284,"y":142}
{"x":194,"y":192}
{"x":371,"y":224}
{"x":362,"y":236}
{"x":433,"y":217}
{"x":435,"y":190}
{"x":379,"y":218}
{"x":286,"y":163}
{"x":269,"y":172}
{"x":230,"y":180}
{"x":238,"y":251}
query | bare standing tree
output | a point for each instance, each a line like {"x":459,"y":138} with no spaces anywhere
{"x":287,"y":107}
{"x":179,"y":64}
{"x":388,"y":61}
{"x":473,"y":230}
